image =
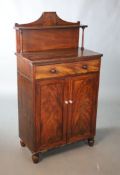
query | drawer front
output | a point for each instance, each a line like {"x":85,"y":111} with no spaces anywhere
{"x":65,"y":69}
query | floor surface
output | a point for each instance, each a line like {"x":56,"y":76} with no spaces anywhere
{"x":77,"y":159}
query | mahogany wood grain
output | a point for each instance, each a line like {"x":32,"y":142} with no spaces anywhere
{"x":18,"y":49}
{"x":48,"y":19}
{"x":24,"y":67}
{"x":57,"y":85}
{"x":82,"y":109}
{"x":62,"y":38}
{"x":48,"y":32}
{"x":50,"y":113}
{"x":26,"y":112}
{"x":59,"y":56}
{"x":60,"y":70}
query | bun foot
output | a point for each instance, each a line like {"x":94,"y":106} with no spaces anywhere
{"x":22,"y":143}
{"x":35,"y":158}
{"x":91,"y":142}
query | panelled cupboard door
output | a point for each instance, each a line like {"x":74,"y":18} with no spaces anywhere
{"x":51,"y":113}
{"x":82,"y":107}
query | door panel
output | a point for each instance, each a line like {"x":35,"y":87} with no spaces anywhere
{"x":82,"y":110}
{"x":51,"y":111}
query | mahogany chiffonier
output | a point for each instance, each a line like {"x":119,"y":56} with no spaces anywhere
{"x":57,"y":84}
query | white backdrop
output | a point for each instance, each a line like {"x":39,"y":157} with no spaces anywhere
{"x":102,"y":35}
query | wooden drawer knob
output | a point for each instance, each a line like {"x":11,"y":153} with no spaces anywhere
{"x":84,"y":66}
{"x":53,"y":70}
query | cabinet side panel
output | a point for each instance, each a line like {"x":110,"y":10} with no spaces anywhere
{"x":18,"y":41}
{"x":24,"y":67}
{"x":25,"y":109}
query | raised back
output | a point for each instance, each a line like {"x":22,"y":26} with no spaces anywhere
{"x":48,"y":32}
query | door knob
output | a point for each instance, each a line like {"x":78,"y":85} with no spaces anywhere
{"x":70,"y":101}
{"x":66,"y":102}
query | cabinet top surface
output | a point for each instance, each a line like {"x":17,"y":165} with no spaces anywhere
{"x":60,"y":55}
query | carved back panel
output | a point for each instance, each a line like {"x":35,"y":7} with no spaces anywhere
{"x":48,"y":32}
